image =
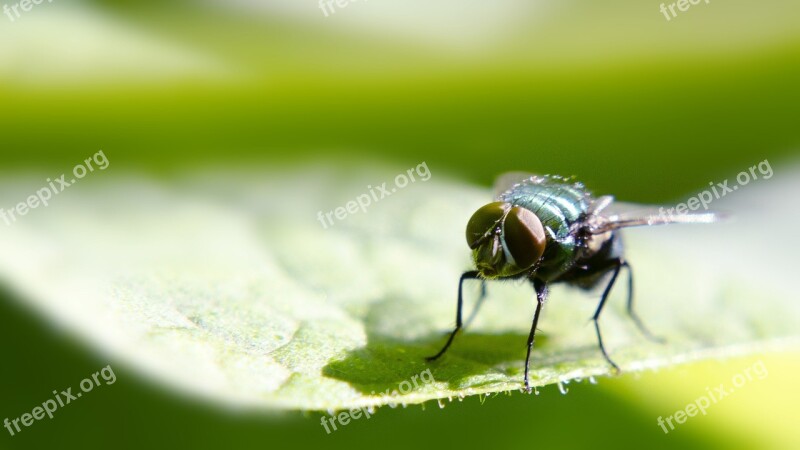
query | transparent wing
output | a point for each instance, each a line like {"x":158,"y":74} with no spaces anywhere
{"x":608,"y":215}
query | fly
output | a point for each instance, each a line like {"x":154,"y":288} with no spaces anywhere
{"x":550,"y":229}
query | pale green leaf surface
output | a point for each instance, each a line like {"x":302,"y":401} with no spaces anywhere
{"x":226,"y":285}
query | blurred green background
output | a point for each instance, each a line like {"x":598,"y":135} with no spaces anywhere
{"x":635,"y":105}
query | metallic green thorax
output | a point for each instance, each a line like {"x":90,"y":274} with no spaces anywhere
{"x":559,"y":203}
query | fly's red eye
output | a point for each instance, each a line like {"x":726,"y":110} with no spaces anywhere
{"x":524,"y":237}
{"x":484,"y":220}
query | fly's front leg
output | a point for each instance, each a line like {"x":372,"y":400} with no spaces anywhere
{"x":478,"y":305}
{"x":471,"y":275}
{"x":541,"y":295}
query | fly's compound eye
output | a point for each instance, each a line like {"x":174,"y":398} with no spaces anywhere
{"x":481,"y":224}
{"x":524,"y":237}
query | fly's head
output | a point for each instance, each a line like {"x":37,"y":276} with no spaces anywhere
{"x":506,"y":240}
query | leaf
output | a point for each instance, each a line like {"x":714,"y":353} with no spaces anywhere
{"x":227,"y":285}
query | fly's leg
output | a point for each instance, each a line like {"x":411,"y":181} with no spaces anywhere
{"x":541,"y":295}
{"x":471,"y":275}
{"x":635,"y":317}
{"x":478,"y":305}
{"x":617,"y":266}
